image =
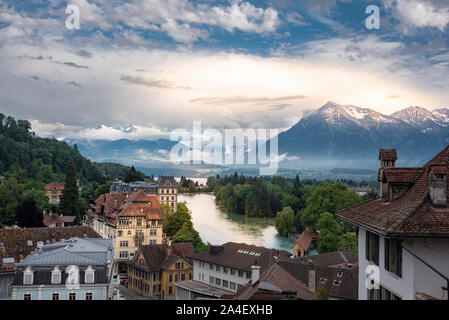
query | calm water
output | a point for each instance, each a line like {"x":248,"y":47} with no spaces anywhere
{"x":217,"y":226}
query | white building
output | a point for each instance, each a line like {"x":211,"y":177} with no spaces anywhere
{"x":404,"y":234}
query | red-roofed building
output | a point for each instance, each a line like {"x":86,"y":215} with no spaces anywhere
{"x":404,"y":233}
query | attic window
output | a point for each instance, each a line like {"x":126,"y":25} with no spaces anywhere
{"x":56,"y":276}
{"x":30,"y":243}
{"x":28,"y":276}
{"x":337,"y":283}
{"x":339,"y":273}
{"x":323,"y":280}
{"x":89,"y":275}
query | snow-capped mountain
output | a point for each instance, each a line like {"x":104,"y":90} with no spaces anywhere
{"x":352,"y":135}
{"x":424,"y":119}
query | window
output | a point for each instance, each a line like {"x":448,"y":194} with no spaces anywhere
{"x":178,"y":277}
{"x":225,"y":270}
{"x":211,"y":266}
{"x":382,"y":294}
{"x":232,"y":271}
{"x":56,"y":276}
{"x":123,"y":254}
{"x":156,"y":276}
{"x":120,"y":232}
{"x":248,"y":275}
{"x":27,"y":296}
{"x":240,"y":273}
{"x":179,"y":265}
{"x":89,"y":275}
{"x":123,"y":244}
{"x":225,"y":283}
{"x":211,"y":280}
{"x":89,"y":295}
{"x":55,"y":296}
{"x":217,"y":267}
{"x":153,"y":232}
{"x":152,"y":241}
{"x":28,"y":276}
{"x":337,"y":283}
{"x":393,"y":256}
{"x":232,"y":285}
{"x":157,"y":288}
{"x":138,"y":243}
{"x":129,"y":232}
{"x":339,"y":273}
{"x":218,"y":282}
{"x":72,"y":296}
{"x":170,"y":278}
{"x":372,"y":247}
{"x":170,"y":290}
{"x":139,"y":222}
{"x":323,"y":281}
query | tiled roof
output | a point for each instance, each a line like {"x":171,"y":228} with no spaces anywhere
{"x":412,"y":214}
{"x":59,"y":186}
{"x":241,"y":256}
{"x":157,"y":258}
{"x":272,"y":284}
{"x":306,"y":237}
{"x":53,"y":219}
{"x":68,"y":219}
{"x":339,"y":283}
{"x":400,"y":175}
{"x":19,"y":242}
{"x":388,"y":154}
{"x":333,"y":258}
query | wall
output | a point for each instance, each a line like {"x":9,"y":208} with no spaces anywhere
{"x":45,"y":292}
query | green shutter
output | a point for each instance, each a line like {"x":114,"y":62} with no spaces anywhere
{"x":387,"y":254}
{"x":367,"y":241}
{"x":399,"y":260}
{"x":376,"y":249}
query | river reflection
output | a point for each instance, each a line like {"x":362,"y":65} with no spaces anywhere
{"x":217,"y":226}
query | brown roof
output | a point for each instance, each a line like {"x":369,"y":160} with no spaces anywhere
{"x":340,"y":283}
{"x":412,"y":214}
{"x":157,"y":258}
{"x":68,"y":219}
{"x":400,"y":175}
{"x":241,"y":256}
{"x":55,"y":186}
{"x":274,"y":283}
{"x":16,"y":240}
{"x":335,"y":258}
{"x":306,"y":237}
{"x":388,"y":154}
{"x":52,"y":218}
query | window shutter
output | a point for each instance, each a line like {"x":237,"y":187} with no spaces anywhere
{"x":399,"y":260}
{"x":387,"y":254}
{"x":367,"y":241}
{"x":376,"y":249}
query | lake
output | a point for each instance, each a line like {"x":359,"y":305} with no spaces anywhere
{"x":217,"y":226}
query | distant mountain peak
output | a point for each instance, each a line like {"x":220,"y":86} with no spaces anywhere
{"x":422,"y":118}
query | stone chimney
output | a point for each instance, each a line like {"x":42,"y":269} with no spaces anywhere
{"x":255,"y":273}
{"x":168,"y":248}
{"x":387,"y":159}
{"x":438,"y":185}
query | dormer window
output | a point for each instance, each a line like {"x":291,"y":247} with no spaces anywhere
{"x":89,"y":275}
{"x":56,"y":276}
{"x":28,"y":276}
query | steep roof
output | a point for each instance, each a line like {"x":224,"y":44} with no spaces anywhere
{"x":306,"y":237}
{"x":272,"y":284}
{"x":241,"y":256}
{"x":411,"y":215}
{"x":54,"y":218}
{"x":19,"y":242}
{"x":157,"y":258}
{"x":333,"y":258}
{"x":340,"y":283}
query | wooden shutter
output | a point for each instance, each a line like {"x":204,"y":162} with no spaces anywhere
{"x":367,"y":246}
{"x":376,"y":249}
{"x":399,"y":259}
{"x":387,"y":254}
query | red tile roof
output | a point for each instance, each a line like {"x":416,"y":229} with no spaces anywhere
{"x":412,"y":214}
{"x":158,"y":258}
{"x":306,"y":237}
{"x":55,"y":186}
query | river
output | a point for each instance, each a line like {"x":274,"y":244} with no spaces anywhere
{"x":217,"y":226}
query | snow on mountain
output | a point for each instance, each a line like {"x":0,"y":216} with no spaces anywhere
{"x":424,"y":119}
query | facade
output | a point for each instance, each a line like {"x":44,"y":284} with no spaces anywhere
{"x":404,"y":233}
{"x":72,"y":269}
{"x":53,"y":220}
{"x":306,"y":244}
{"x":131,"y":220}
{"x":227,"y":267}
{"x":17,"y":243}
{"x":156,"y":268}
{"x":165,"y":189}
{"x":53,"y":191}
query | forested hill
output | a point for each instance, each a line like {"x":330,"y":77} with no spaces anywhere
{"x":33,"y":157}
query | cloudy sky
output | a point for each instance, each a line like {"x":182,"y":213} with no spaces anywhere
{"x":138,"y":69}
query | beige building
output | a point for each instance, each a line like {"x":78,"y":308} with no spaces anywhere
{"x":131,"y":219}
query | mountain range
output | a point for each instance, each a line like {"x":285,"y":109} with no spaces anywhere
{"x":333,"y":136}
{"x":348,"y":136}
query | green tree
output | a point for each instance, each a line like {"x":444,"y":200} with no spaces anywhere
{"x":174,"y":221}
{"x":321,"y":293}
{"x":327,"y":222}
{"x":28,"y":215}
{"x":45,"y":174}
{"x":348,"y":242}
{"x":328,"y":241}
{"x":102,"y":189}
{"x":70,"y":199}
{"x":284,"y":221}
{"x":133,"y":175}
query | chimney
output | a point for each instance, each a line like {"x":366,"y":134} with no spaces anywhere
{"x":438,"y":185}
{"x":255,"y":273}
{"x":311,"y":284}
{"x":387,"y":159}
{"x":214,"y":250}
{"x":168,"y":249}
{"x":445,"y":295}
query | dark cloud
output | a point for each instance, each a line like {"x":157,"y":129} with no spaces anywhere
{"x":153,"y":83}
{"x":84,"y":53}
{"x":74,"y":83}
{"x":74,"y":65}
{"x":34,"y":77}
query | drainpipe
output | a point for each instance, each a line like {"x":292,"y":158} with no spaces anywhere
{"x":432,"y":268}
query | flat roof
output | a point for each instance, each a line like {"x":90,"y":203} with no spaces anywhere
{"x":200,"y":287}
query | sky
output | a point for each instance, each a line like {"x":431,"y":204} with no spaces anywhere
{"x":138,"y":69}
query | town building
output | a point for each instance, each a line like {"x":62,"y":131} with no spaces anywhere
{"x":71,"y":269}
{"x":52,"y":220}
{"x":53,"y":191}
{"x":17,"y":243}
{"x":131,"y":219}
{"x":403,"y":234}
{"x":223,"y":269}
{"x":165,"y":189}
{"x":306,"y":244}
{"x":156,"y":268}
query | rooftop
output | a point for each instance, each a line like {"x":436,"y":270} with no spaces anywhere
{"x":201,"y":288}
